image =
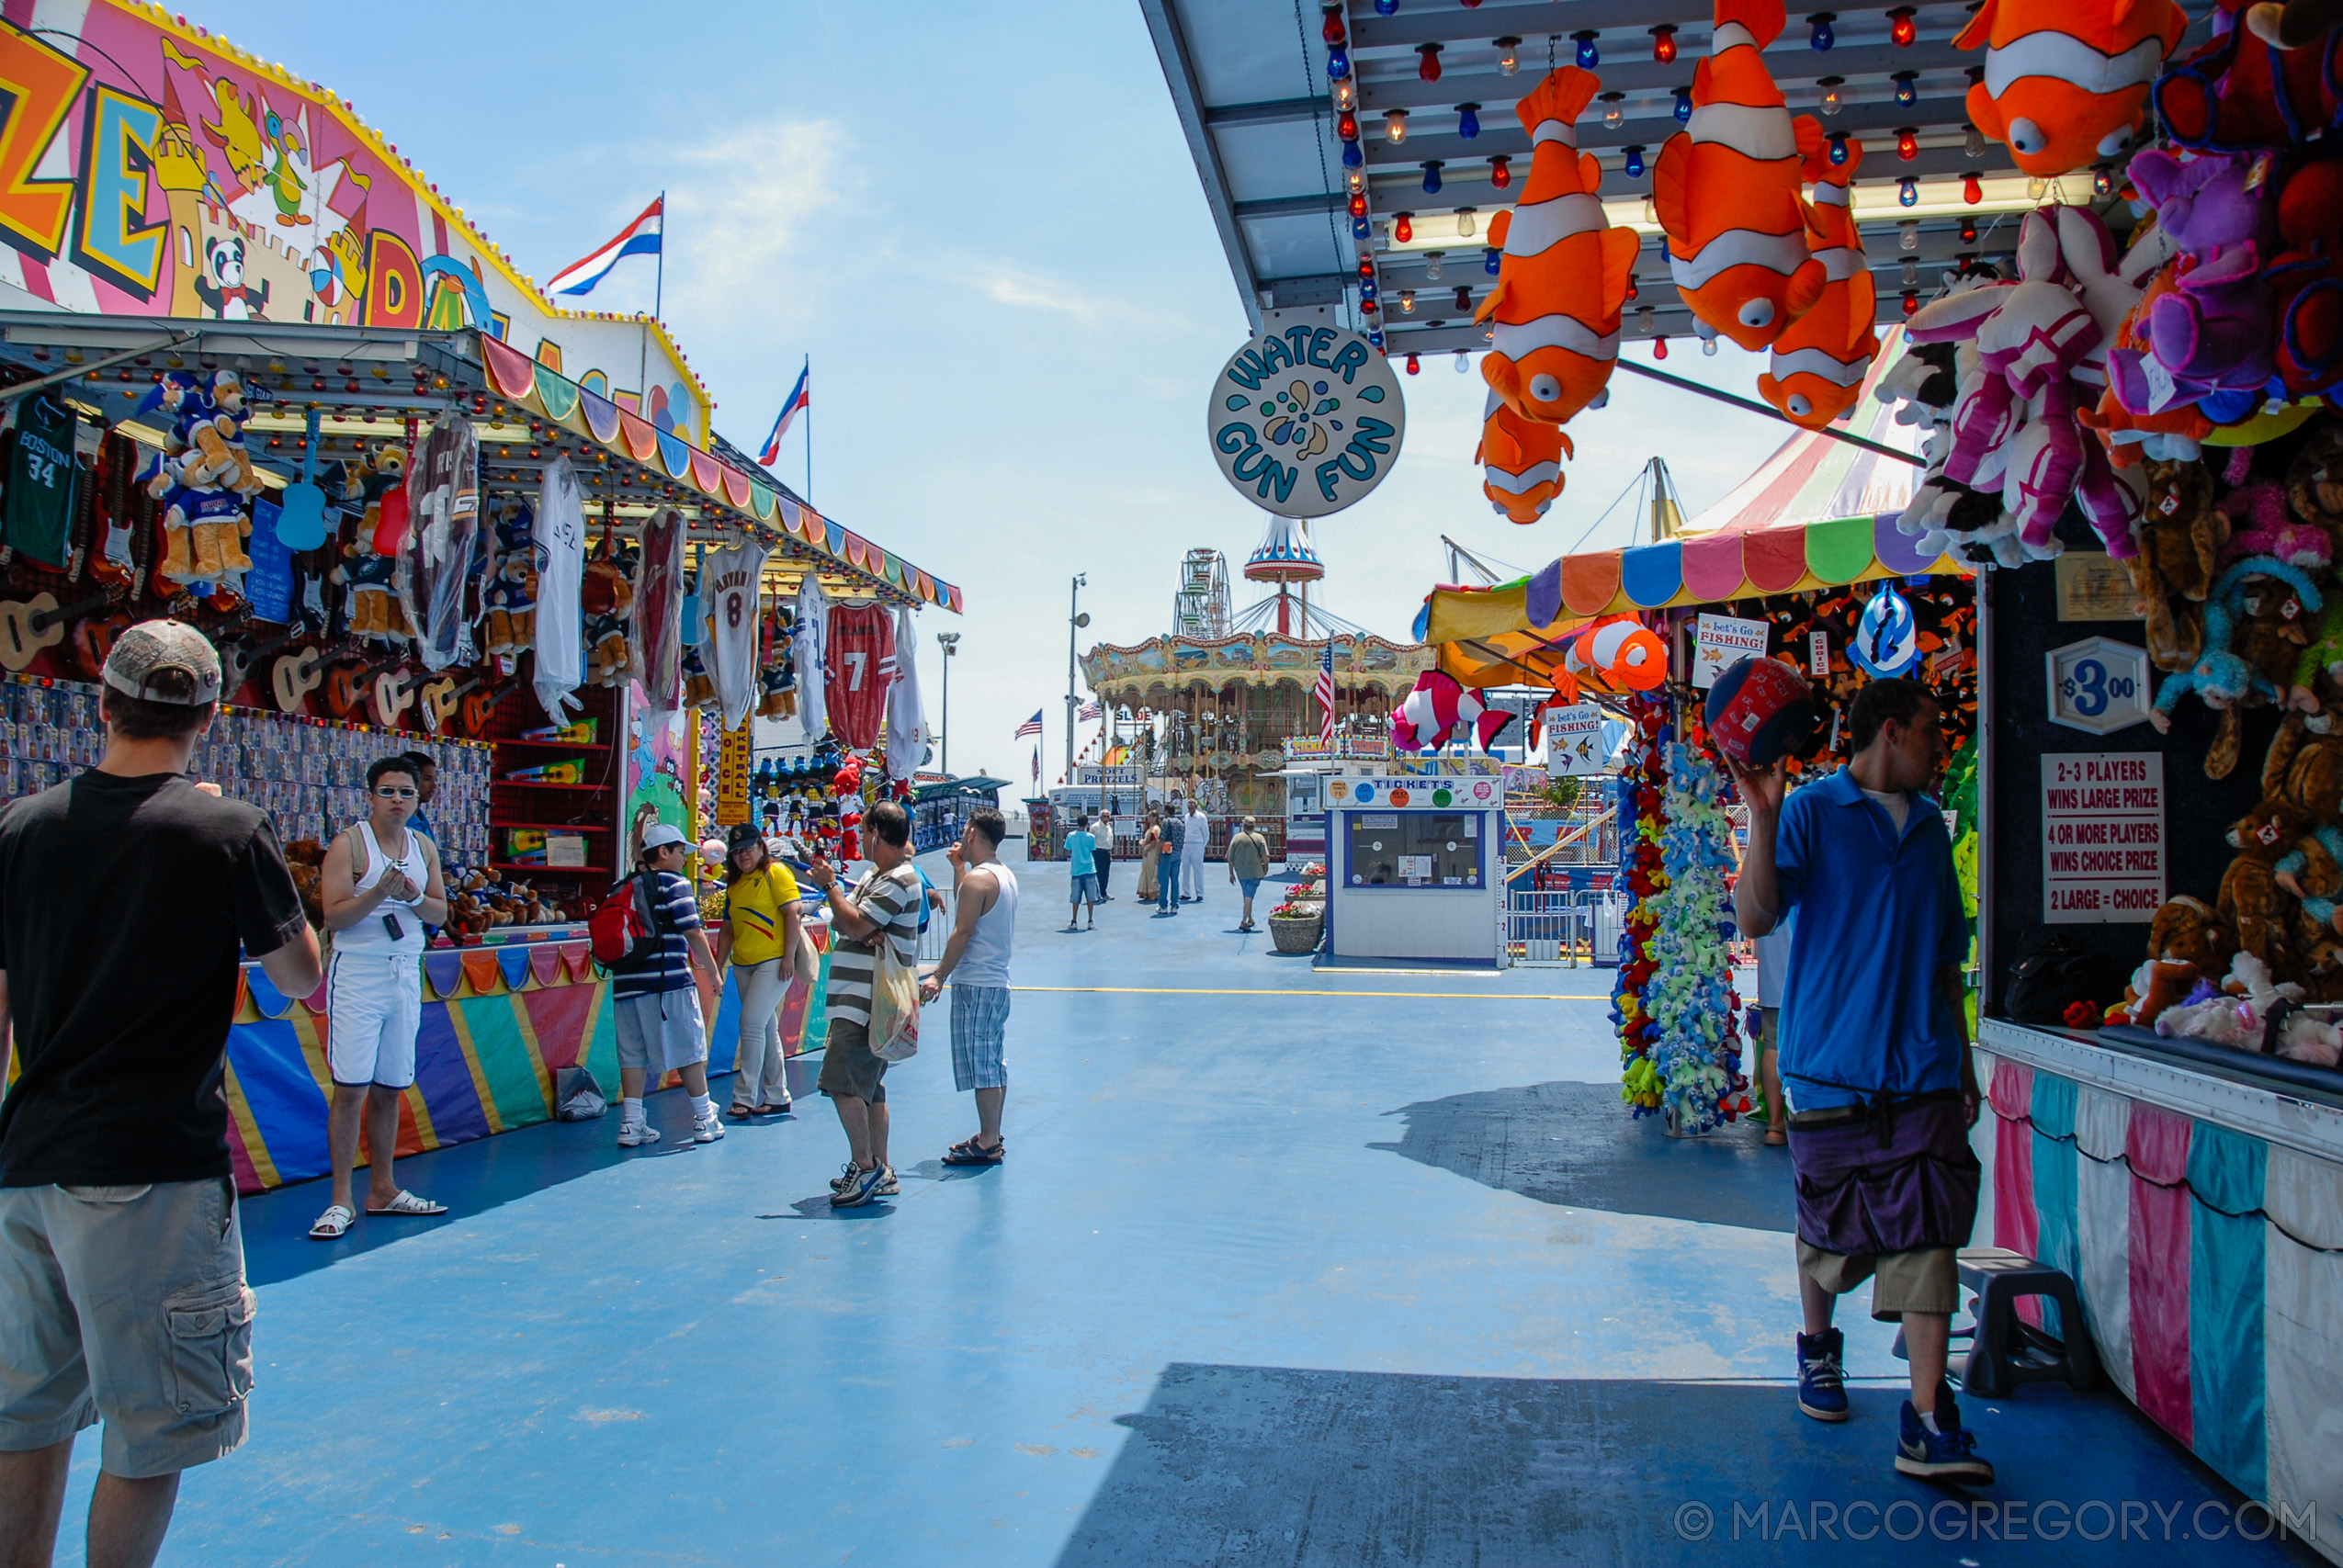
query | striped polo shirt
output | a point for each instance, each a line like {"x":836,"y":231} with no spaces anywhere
{"x":673,"y":912}
{"x":892,"y":899}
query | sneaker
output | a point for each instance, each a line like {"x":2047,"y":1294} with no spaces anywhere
{"x":859,"y":1190}
{"x":838,"y":1183}
{"x":1948,"y":1453}
{"x":631,"y":1133}
{"x":707,"y":1129}
{"x":886,"y":1186}
{"x":1822,"y":1385}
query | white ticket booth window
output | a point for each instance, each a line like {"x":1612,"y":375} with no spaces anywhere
{"x":1414,"y":869}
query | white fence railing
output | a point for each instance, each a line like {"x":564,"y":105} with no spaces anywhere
{"x":1564,"y":928}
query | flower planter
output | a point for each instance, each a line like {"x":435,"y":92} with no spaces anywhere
{"x":1297,"y":935}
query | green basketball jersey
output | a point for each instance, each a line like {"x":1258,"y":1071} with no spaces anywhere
{"x":36,"y":512}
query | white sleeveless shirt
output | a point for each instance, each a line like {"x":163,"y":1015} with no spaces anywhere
{"x":369,"y":933}
{"x":985,"y":960}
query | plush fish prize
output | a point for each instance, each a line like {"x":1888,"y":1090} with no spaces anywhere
{"x":2066,"y":81}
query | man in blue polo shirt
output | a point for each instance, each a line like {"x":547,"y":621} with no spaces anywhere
{"x":1874,"y":1055}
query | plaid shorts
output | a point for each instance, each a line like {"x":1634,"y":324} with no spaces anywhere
{"x":980,"y":1018}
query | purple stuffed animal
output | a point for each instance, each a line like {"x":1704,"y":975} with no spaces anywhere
{"x":2212,"y":331}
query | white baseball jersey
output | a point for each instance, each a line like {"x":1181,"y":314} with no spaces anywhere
{"x":728,"y":598}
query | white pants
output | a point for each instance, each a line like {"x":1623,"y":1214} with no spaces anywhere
{"x":760,"y":1069}
{"x":1191,"y":873}
{"x":374,"y":1009}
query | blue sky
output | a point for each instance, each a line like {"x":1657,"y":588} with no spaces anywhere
{"x":982,"y":223}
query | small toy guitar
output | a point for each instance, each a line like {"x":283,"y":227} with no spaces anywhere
{"x":93,"y":639}
{"x":236,"y":664}
{"x":295,"y":676}
{"x":350,"y":684}
{"x":37,"y":623}
{"x":440,"y":698}
{"x":394,"y":693}
{"x":479,"y":707}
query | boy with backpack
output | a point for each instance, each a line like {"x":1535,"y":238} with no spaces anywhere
{"x":647,"y":934}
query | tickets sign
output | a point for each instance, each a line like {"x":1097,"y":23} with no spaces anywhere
{"x":1403,"y":793}
{"x":1305,"y":420}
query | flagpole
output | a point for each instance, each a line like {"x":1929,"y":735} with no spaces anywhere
{"x":807,"y":377}
{"x":658,"y":304}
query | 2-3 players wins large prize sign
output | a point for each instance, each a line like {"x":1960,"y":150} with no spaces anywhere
{"x":1305,"y":420}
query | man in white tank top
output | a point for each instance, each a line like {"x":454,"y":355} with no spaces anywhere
{"x":976,"y":960}
{"x":380,"y":886}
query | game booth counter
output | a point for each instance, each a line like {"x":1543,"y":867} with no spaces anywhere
{"x":256,"y":372}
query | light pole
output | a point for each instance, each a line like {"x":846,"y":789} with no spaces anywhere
{"x":1075,"y":620}
{"x":951,"y":643}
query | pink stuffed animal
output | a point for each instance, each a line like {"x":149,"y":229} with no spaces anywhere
{"x":2257,"y":523}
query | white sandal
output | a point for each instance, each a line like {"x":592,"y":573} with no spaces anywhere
{"x":410,"y":1206}
{"x":333,"y":1223}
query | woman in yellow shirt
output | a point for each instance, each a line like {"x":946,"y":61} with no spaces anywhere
{"x":760,"y":934}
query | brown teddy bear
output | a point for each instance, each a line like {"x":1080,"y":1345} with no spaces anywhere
{"x":2180,"y":535}
{"x":2313,"y":875}
{"x":2314,"y":480}
{"x":2251,"y":902}
{"x":2190,"y":930}
{"x":2305,"y":767}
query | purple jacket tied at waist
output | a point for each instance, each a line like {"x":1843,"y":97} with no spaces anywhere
{"x":1866,"y":1196}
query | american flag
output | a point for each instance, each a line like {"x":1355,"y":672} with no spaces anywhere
{"x":1031,"y":727}
{"x":1087,"y":712}
{"x":1326,"y":695}
{"x":1036,"y":764}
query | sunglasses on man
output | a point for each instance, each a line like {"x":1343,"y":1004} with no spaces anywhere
{"x":394,"y":792}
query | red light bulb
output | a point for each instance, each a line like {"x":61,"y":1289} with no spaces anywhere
{"x":1414,"y":365}
{"x":1908,"y":143}
{"x":1912,"y":302}
{"x":1427,"y":66}
{"x":1346,"y":126}
{"x":1663,"y":43}
{"x":1634,"y":290}
{"x":1332,"y":30}
{"x":1402,"y":228}
{"x":1358,"y":205}
{"x":1901,"y":28}
{"x":1500,"y":171}
{"x":1367,"y":266}
{"x":1972,"y":190}
{"x":1659,"y":348}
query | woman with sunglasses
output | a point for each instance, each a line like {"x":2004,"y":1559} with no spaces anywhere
{"x":761,"y":931}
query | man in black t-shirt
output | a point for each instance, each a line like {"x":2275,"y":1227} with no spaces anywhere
{"x":126,"y":897}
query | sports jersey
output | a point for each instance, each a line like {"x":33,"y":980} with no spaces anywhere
{"x":861,"y":648}
{"x":756,"y":909}
{"x":728,"y":597}
{"x":37,"y":512}
{"x":442,"y":539}
{"x":558,"y":543}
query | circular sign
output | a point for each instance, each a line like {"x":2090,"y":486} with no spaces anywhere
{"x":1363,"y":794}
{"x":1887,"y":639}
{"x":1305,"y":420}
{"x":1440,"y":796}
{"x":1399,"y":797}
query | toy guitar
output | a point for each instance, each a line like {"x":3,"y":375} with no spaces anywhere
{"x":93,"y":639}
{"x":479,"y":707}
{"x":37,"y":623}
{"x":394,"y":693}
{"x":295,"y":676}
{"x":348,"y":684}
{"x":236,"y":664}
{"x":440,"y":698}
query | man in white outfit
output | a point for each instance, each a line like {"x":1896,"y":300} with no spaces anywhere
{"x":976,"y":960}
{"x":1199,"y":837}
{"x":380,"y":886}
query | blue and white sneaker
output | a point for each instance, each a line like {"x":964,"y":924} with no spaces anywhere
{"x":1822,"y":1376}
{"x":860,"y":1188}
{"x":1948,"y":1453}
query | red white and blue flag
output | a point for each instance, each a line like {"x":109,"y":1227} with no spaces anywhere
{"x":1087,"y":712}
{"x":1031,"y":727}
{"x":639,"y":238}
{"x":801,"y":398}
{"x":1326,"y":695}
{"x":1036,"y":764}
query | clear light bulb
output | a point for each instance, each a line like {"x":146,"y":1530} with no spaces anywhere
{"x":1646,"y":320}
{"x":1431,"y":265}
{"x":1406,"y":302}
{"x":1615,"y":112}
{"x":1462,"y":364}
{"x":1907,"y":234}
{"x":2036,"y":188}
{"x":1466,"y":224}
{"x":1356,"y":180}
{"x":1346,"y":95}
{"x":1508,"y":60}
{"x":1972,"y":144}
{"x":1395,"y":126}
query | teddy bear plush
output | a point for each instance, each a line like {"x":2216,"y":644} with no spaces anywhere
{"x":2312,"y":873}
{"x":2190,"y":930}
{"x":2179,"y":537}
{"x":2251,"y":902}
{"x":2154,"y":985}
{"x":2305,"y":767}
{"x":2315,"y":479}
{"x":509,"y":598}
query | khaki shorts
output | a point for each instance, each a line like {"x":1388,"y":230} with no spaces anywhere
{"x":129,"y":1303}
{"x":847,"y":1066}
{"x":1926,"y":1279}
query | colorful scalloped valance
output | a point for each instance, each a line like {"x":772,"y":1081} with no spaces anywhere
{"x":518,"y":379}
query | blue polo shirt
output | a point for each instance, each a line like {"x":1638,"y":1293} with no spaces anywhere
{"x":1878,"y":914}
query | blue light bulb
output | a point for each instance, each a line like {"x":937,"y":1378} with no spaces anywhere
{"x":1467,"y":122}
{"x":1588,"y":56}
{"x":1338,"y":62}
{"x":1387,"y":7}
{"x":1822,"y":37}
{"x":1360,"y":229}
{"x":1432,"y":177}
{"x":1838,"y":147}
{"x":1635,"y":163}
{"x":1488,"y":261}
{"x":1352,"y":157}
{"x":1684,"y":106}
{"x":1908,"y":192}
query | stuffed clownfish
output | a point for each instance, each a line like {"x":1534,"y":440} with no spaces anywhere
{"x":1436,"y":707}
{"x":2066,"y":81}
{"x":1819,"y":363}
{"x":1520,"y":462}
{"x":1620,"y":653}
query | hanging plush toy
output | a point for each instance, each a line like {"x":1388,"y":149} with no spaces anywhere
{"x":1619,"y":653}
{"x":1520,"y":462}
{"x":2213,"y":331}
{"x":1437,"y":708}
{"x":1819,"y":363}
{"x":1727,"y":188}
{"x":1562,"y":276}
{"x":2066,"y":81}
{"x":510,"y":597}
{"x":2239,"y":94}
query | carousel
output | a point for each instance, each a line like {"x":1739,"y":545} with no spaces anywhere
{"x":1215,"y":702}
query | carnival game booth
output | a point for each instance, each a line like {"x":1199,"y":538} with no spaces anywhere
{"x":1414,"y":864}
{"x":940,"y":811}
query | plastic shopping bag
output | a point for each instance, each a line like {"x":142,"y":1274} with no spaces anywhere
{"x":894,"y":1006}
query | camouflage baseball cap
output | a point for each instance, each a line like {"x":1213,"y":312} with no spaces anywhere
{"x":165,"y":661}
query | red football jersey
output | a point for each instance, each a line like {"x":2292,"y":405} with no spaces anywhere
{"x":860,"y":655}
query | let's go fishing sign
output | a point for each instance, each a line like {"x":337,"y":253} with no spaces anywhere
{"x":1305,"y":420}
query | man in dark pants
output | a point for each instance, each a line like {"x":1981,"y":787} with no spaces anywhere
{"x":1874,"y":1055}
{"x":127,"y":895}
{"x":1103,"y":855}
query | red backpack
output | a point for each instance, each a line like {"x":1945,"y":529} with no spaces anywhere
{"x":620,"y":930}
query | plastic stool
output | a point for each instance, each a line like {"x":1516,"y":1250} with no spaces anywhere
{"x":2005,"y":1349}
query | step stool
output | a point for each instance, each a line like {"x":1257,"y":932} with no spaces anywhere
{"x":2005,"y":1351}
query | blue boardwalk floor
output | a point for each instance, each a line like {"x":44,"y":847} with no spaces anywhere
{"x":1289,"y":1267}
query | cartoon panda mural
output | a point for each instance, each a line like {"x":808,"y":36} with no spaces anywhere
{"x":221,"y":287}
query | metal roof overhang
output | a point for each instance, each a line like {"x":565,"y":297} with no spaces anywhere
{"x":1249,"y":82}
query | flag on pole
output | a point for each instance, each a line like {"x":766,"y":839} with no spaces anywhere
{"x":1326,"y":695}
{"x":1031,"y":727}
{"x":1036,"y":764}
{"x":799,"y":397}
{"x":639,"y":238}
{"x":1087,"y":712}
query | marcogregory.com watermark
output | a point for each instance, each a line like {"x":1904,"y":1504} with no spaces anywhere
{"x":1997,"y":1519}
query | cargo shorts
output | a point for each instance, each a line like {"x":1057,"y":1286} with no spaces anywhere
{"x":127,"y":1303}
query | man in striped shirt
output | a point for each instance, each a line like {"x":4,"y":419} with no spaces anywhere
{"x":656,"y":1002}
{"x":884,"y":906}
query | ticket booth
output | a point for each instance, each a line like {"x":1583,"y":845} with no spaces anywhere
{"x":1414,"y":868}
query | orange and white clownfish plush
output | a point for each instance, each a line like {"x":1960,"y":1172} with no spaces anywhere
{"x":1563,"y":274}
{"x":2066,"y":81}
{"x":1726,"y":188}
{"x":1819,"y":363}
{"x":1620,"y":653}
{"x":1520,"y":461}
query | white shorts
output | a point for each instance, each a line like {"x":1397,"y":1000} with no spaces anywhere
{"x":374,"y":1009}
